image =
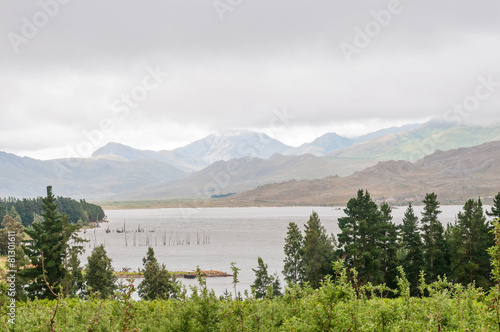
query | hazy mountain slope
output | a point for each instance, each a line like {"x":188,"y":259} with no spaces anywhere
{"x":323,"y":144}
{"x":385,"y":132}
{"x":23,"y":176}
{"x":203,"y":152}
{"x":80,"y":178}
{"x":454,"y":175}
{"x":246,"y":173}
{"x":233,"y":144}
{"x":415,"y":144}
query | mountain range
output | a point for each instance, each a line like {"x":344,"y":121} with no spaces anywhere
{"x":455,"y":176}
{"x":254,"y":167}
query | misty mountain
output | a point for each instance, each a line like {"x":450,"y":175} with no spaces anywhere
{"x":323,"y":144}
{"x":240,"y":174}
{"x":415,"y":144}
{"x":91,"y":178}
{"x":385,"y":132}
{"x":455,"y":176}
{"x":203,"y":152}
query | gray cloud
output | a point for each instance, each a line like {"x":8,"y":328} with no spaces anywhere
{"x":233,"y":73}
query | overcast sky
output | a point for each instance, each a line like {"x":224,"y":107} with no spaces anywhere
{"x":75,"y":75}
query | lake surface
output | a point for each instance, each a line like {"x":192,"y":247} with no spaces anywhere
{"x":212,"y":238}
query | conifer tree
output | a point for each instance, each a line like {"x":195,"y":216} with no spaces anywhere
{"x":389,"y":245}
{"x":361,"y":238}
{"x":318,"y":251}
{"x":294,"y":267}
{"x":157,"y":283}
{"x":263,"y":281}
{"x":495,"y":208}
{"x":434,"y":246}
{"x":470,"y":238}
{"x":412,"y":248}
{"x":99,"y":274}
{"x":49,"y":241}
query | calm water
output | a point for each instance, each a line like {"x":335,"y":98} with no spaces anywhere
{"x":213,"y":237}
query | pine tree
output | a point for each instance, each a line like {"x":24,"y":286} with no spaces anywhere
{"x":495,"y":208}
{"x":48,"y":242}
{"x":470,"y":238}
{"x":318,"y":252}
{"x":294,"y":267}
{"x":264,"y":284}
{"x":362,"y":238}
{"x":99,"y":275}
{"x":434,"y":246}
{"x":412,"y":248}
{"x":389,"y":245}
{"x":157,"y":283}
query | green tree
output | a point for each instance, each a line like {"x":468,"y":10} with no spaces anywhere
{"x":470,"y":238}
{"x":13,"y":232}
{"x":157,"y":283}
{"x":99,"y":276}
{"x":389,"y":245}
{"x":294,"y":267}
{"x":264,"y":282}
{"x":495,"y":208}
{"x":3,"y":209}
{"x":10,"y":226}
{"x":49,"y":241}
{"x":318,"y":251}
{"x":434,"y":246}
{"x":362,"y":238}
{"x":412,"y":248}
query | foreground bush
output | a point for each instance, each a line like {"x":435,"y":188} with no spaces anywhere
{"x":338,"y":305}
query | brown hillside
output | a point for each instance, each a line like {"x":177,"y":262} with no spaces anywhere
{"x":454,"y":175}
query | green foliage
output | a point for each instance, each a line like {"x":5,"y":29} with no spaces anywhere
{"x":339,"y":304}
{"x":99,"y":276}
{"x":294,"y":266}
{"x":28,"y":208}
{"x":49,"y":241}
{"x":318,"y":251}
{"x":368,"y":239}
{"x":412,"y":248}
{"x":434,"y":246}
{"x":157,"y":283}
{"x":495,"y":208}
{"x":264,"y":284}
{"x":470,"y":238}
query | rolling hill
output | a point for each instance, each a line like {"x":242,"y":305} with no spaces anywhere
{"x":454,"y":175}
{"x":240,"y":174}
{"x":414,"y":144}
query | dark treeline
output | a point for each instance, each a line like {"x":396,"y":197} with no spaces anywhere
{"x":29,"y":208}
{"x":372,"y":244}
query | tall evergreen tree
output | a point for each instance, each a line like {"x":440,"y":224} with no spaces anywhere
{"x":389,"y":245}
{"x":434,"y":246}
{"x":49,"y":241}
{"x":99,"y":274}
{"x":318,"y":251}
{"x":157,"y":283}
{"x":470,"y":238}
{"x":294,"y":267}
{"x":495,"y":208}
{"x":361,"y":238}
{"x":413,"y":260}
{"x":263,"y":281}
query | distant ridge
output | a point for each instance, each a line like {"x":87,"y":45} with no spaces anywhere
{"x":454,"y":175}
{"x":117,"y":171}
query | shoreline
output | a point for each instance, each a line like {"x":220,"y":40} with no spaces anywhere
{"x":176,"y":274}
